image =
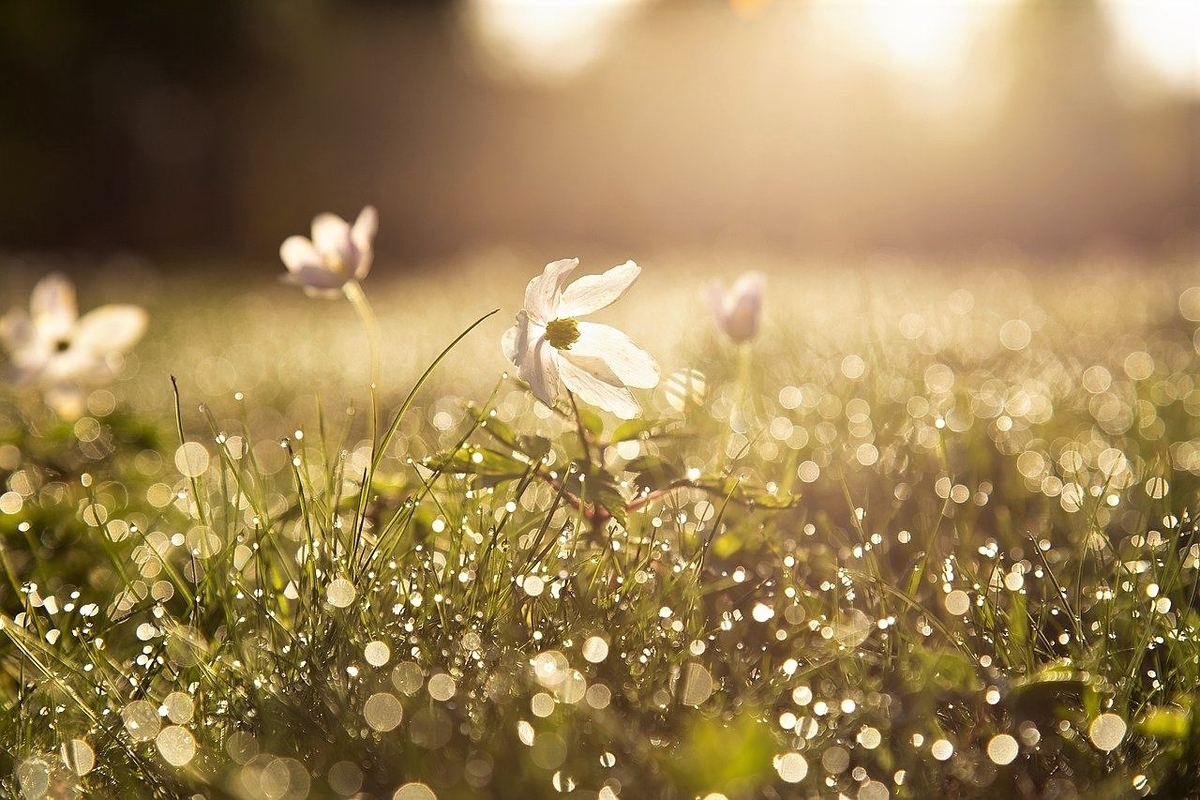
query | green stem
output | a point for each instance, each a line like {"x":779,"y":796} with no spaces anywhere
{"x":583,"y":439}
{"x":358,"y":299}
{"x":741,"y":412}
{"x":594,"y":518}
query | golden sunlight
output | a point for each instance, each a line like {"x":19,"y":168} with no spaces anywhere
{"x":1164,"y":35}
{"x":542,"y":40}
{"x":919,"y":34}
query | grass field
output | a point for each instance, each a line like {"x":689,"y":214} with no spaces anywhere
{"x":930,"y":533}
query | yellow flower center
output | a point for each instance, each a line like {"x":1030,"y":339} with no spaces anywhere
{"x":562,"y":333}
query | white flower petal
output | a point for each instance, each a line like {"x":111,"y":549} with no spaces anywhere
{"x":298,"y":254}
{"x":631,"y":365}
{"x":594,"y":292}
{"x":16,"y":332}
{"x":539,"y":369}
{"x":53,"y":307}
{"x":515,"y":341}
{"x":582,"y":376}
{"x":111,"y":328}
{"x":365,"y":228}
{"x":331,"y":238}
{"x":525,"y":345}
{"x":329,"y":232}
{"x":74,"y":365}
{"x":363,"y":236}
{"x":543,"y":292}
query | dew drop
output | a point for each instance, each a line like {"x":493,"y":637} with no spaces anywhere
{"x":958,"y":602}
{"x":792,"y":767}
{"x":191,"y":459}
{"x":414,"y":791}
{"x":345,"y":778}
{"x":340,"y":593}
{"x":79,"y":756}
{"x":176,"y":744}
{"x":141,"y":720}
{"x":595,"y":649}
{"x":870,"y":738}
{"x":1002,"y":749}
{"x":697,"y":685}
{"x":383,"y":711}
{"x":442,"y":687}
{"x":1107,"y":731}
{"x":377,"y":653}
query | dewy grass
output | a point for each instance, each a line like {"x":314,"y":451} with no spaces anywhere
{"x":951,"y":552}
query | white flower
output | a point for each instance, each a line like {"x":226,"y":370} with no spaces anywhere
{"x":738,"y":308}
{"x":596,"y":362}
{"x":336,"y":254}
{"x":55,"y":350}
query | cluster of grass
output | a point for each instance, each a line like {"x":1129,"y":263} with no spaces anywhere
{"x":938,"y":544}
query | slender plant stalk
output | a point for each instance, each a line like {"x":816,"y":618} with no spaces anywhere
{"x":362,"y":307}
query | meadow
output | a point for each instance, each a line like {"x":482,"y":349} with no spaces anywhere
{"x":927,"y":530}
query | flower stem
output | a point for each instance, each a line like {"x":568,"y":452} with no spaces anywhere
{"x":742,"y":413}
{"x":595,"y":517}
{"x":583,"y":440}
{"x":358,"y":299}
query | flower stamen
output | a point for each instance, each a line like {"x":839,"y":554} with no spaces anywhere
{"x":562,"y":333}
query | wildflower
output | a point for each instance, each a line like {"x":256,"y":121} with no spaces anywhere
{"x":738,"y":308}
{"x":596,"y":362}
{"x":337,"y":253}
{"x":59,"y":352}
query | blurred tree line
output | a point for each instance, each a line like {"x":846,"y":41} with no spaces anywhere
{"x":216,"y":127}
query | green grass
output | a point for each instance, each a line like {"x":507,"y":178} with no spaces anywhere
{"x":937,"y":539}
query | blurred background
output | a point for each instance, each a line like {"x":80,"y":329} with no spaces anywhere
{"x":212,"y":129}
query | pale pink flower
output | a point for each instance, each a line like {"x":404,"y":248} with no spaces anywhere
{"x":737,"y":309}
{"x":336,"y":254}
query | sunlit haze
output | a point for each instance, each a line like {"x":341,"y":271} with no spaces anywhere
{"x":551,"y":40}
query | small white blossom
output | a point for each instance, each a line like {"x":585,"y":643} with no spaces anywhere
{"x":596,"y":362}
{"x":738,"y":308}
{"x":336,"y":254}
{"x":60,"y":353}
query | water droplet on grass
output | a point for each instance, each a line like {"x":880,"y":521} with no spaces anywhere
{"x":792,"y":767}
{"x":177,"y":745}
{"x":191,"y":459}
{"x":1107,"y":731}
{"x":178,"y":707}
{"x":141,"y":720}
{"x":79,"y":756}
{"x":595,"y":649}
{"x":345,"y":778}
{"x":1002,"y":749}
{"x":697,"y":685}
{"x":958,"y":602}
{"x":340,"y":593}
{"x":377,"y":653}
{"x":442,"y":687}
{"x":383,"y":712}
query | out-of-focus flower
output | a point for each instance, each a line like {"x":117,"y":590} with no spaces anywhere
{"x":336,"y":254}
{"x":596,"y":362}
{"x":61,"y":353}
{"x":738,"y":308}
